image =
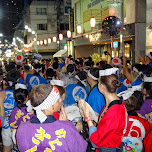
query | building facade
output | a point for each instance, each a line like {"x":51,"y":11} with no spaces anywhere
{"x":93,"y":40}
{"x":48,"y":20}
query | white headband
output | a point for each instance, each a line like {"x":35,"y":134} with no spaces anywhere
{"x":149,"y":55}
{"x":147,"y":79}
{"x":108,"y":72}
{"x":52,"y":98}
{"x":38,"y":69}
{"x":135,"y":69}
{"x":128,"y":93}
{"x":90,"y":75}
{"x":19,"y":85}
{"x":57,"y":82}
{"x":82,"y":81}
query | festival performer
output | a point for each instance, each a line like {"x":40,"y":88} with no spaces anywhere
{"x":107,"y":136}
{"x":21,"y":113}
{"x":46,"y":133}
{"x":50,"y":74}
{"x":12,"y":78}
{"x":138,"y":128}
{"x":78,"y":91}
{"x":36,"y":78}
{"x":146,"y":109}
{"x":95,"y":99}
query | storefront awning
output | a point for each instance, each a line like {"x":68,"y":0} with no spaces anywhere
{"x":61,"y":53}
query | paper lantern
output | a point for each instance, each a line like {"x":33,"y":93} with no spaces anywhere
{"x":41,"y":42}
{"x":45,"y":41}
{"x":49,"y":40}
{"x":79,"y":29}
{"x":60,"y":36}
{"x":69,"y":34}
{"x":54,"y":39}
{"x":38,"y":43}
{"x":92,"y":22}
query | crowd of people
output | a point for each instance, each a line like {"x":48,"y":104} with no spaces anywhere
{"x":67,"y":105}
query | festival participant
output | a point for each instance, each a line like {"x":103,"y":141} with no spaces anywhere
{"x":36,"y":78}
{"x":9,"y":104}
{"x":69,"y":78}
{"x":146,"y":109}
{"x":107,"y":136}
{"x":77,"y":91}
{"x":95,"y":99}
{"x":50,"y":74}
{"x":138,"y":128}
{"x":46,"y":133}
{"x":21,"y":113}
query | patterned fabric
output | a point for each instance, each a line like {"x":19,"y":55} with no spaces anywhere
{"x":58,"y":136}
{"x":132,"y":144}
{"x":34,"y":80}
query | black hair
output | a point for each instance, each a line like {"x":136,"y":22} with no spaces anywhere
{"x":20,"y":96}
{"x":105,"y":66}
{"x":56,"y":59}
{"x":146,"y":70}
{"x":138,"y":67}
{"x":55,"y":65}
{"x":12,"y":76}
{"x":70,"y":68}
{"x":94,"y":72}
{"x":9,"y":67}
{"x":148,"y":87}
{"x":139,"y":97}
{"x":50,"y":73}
{"x":37,"y":66}
{"x":82,"y":76}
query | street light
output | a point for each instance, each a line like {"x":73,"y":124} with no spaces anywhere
{"x":1,"y":35}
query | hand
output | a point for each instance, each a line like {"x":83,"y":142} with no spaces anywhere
{"x":83,"y":105}
{"x":2,"y":96}
{"x":63,"y":115}
{"x":79,"y":126}
{"x":124,"y":59}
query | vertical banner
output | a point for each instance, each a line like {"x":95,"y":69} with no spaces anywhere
{"x":67,"y":6}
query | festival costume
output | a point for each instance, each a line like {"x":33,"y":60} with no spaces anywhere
{"x":19,"y":116}
{"x":148,"y":142}
{"x":109,"y":131}
{"x":34,"y":80}
{"x":96,"y":100}
{"x":51,"y":135}
{"x":146,"y":109}
{"x":136,"y":82}
{"x":75,"y":92}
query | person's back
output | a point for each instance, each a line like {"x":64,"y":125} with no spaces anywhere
{"x":56,"y":136}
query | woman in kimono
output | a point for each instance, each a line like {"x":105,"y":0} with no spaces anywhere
{"x":107,"y":136}
{"x":45,"y":133}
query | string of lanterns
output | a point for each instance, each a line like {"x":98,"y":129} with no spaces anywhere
{"x":69,"y":35}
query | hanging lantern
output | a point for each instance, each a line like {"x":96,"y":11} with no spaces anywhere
{"x":79,"y":30}
{"x":41,"y":42}
{"x":60,"y":36}
{"x":69,"y":34}
{"x":38,"y":43}
{"x":54,"y":39}
{"x":45,"y":42}
{"x":49,"y":40}
{"x":92,"y":22}
{"x":34,"y":39}
{"x":87,"y":36}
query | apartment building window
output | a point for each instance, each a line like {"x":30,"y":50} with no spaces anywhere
{"x":64,"y":26}
{"x":41,"y":26}
{"x":41,"y":11}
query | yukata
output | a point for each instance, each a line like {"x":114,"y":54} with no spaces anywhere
{"x":107,"y":136}
{"x":75,"y":92}
{"x":19,"y":116}
{"x":96,"y":100}
{"x":34,"y":80}
{"x":146,"y":110}
{"x":51,"y":135}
